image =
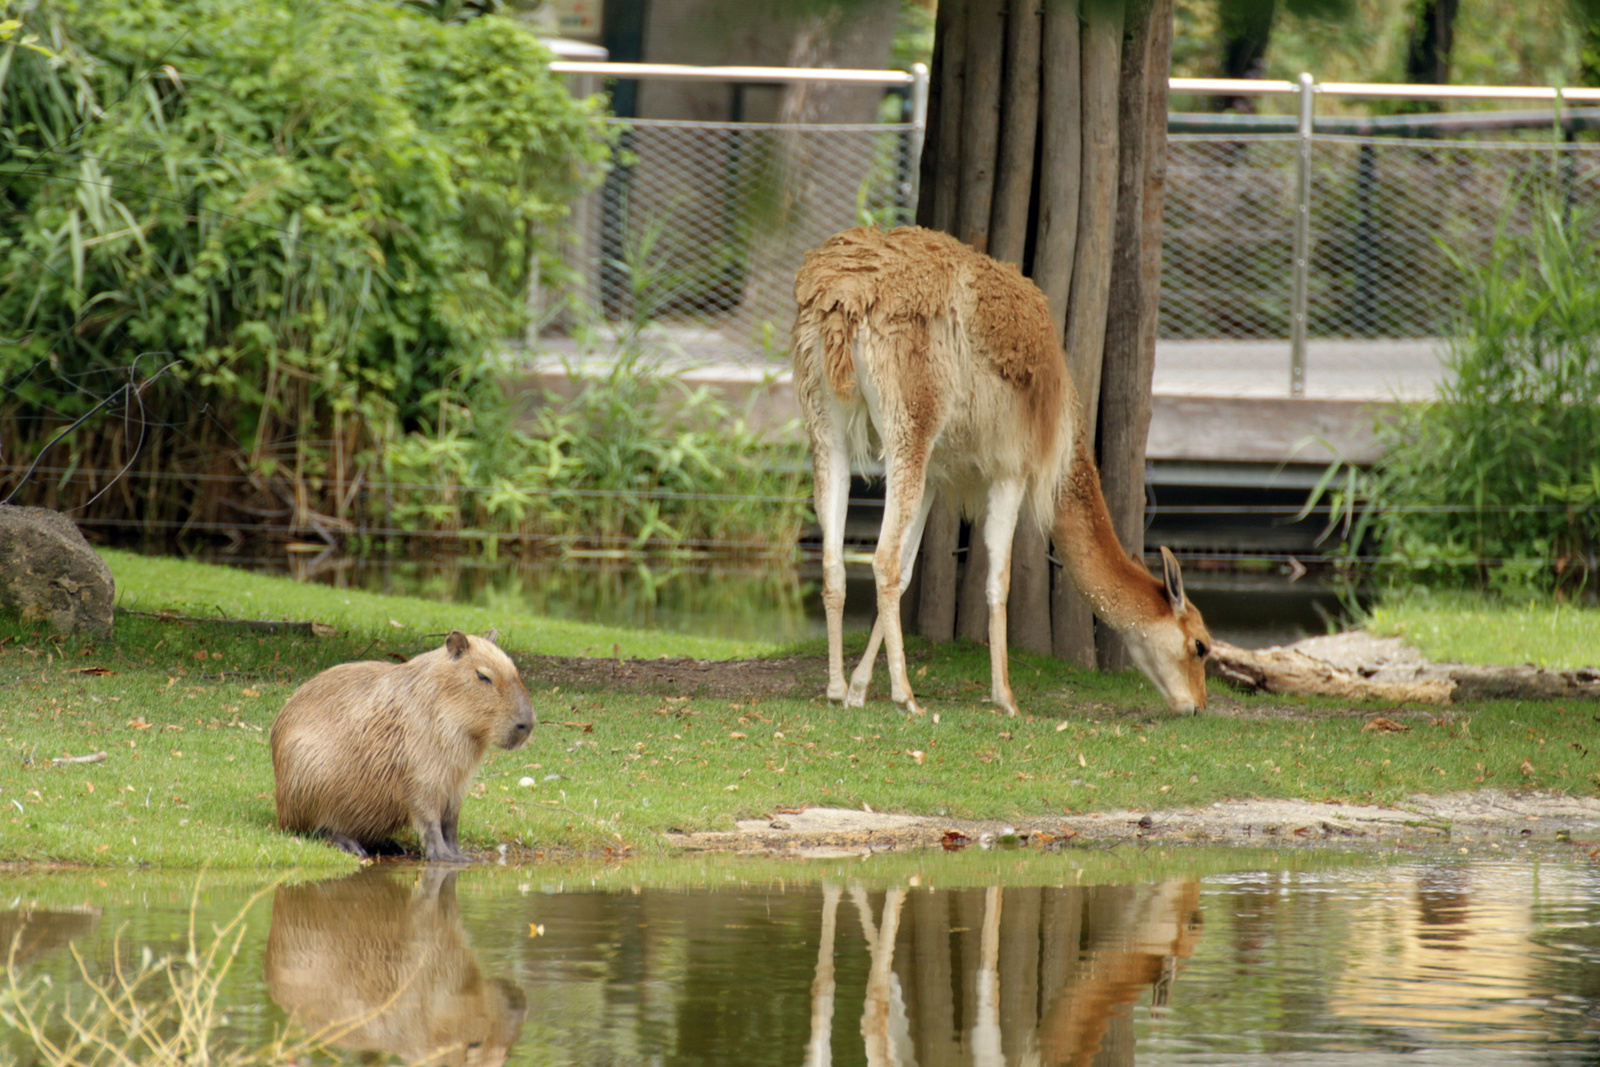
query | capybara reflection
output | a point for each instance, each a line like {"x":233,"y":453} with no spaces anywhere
{"x":376,"y":964}
{"x":363,"y":750}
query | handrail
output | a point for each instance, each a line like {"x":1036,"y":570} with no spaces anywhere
{"x":1396,"y":90}
{"x":779,"y":75}
{"x":1204,"y":86}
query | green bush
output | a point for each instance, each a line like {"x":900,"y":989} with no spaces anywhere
{"x":630,"y":460}
{"x":318,"y":212}
{"x":1497,"y":482}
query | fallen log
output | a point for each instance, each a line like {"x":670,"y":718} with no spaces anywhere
{"x":1288,"y":670}
{"x":1390,"y":671}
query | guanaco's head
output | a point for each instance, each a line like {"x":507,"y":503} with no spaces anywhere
{"x":1171,"y":649}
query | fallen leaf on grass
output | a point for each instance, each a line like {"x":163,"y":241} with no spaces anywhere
{"x":954,"y":841}
{"x":1386,"y":725}
{"x":98,"y":671}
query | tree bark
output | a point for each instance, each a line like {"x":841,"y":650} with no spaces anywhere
{"x":1019,"y":130}
{"x":1072,"y":624}
{"x":980,"y":119}
{"x":1129,"y":360}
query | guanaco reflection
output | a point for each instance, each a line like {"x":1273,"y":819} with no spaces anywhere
{"x":1045,"y":973}
{"x":380,"y":962}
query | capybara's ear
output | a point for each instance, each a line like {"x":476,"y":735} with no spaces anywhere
{"x":493,"y":636}
{"x":456,"y":643}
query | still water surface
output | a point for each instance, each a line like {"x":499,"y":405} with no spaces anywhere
{"x":1423,"y":959}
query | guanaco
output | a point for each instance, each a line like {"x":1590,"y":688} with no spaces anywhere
{"x":951,"y":361}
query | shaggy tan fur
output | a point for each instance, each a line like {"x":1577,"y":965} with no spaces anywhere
{"x":363,"y":750}
{"x":949,"y":364}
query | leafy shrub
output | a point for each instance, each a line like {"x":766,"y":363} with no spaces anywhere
{"x":629,"y":460}
{"x":317,"y":212}
{"x":1497,"y":482}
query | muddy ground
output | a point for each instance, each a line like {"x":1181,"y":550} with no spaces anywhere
{"x":1482,"y":818}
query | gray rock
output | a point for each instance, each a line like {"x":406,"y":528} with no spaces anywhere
{"x":48,"y":571}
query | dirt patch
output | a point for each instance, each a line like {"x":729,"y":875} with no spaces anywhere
{"x":680,"y":676}
{"x":1466,"y":819}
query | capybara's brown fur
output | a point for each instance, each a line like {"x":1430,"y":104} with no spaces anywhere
{"x":376,"y":964}
{"x":363,"y":750}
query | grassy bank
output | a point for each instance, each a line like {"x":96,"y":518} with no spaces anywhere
{"x":1454,"y":627}
{"x":181,"y":710}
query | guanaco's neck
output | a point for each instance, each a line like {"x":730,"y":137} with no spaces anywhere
{"x":1117,"y":587}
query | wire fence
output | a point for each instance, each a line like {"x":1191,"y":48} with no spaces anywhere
{"x":1395,"y":225}
{"x":701,"y":225}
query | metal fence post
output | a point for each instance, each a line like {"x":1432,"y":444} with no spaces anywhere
{"x":919,"y":129}
{"x":1302,"y":244}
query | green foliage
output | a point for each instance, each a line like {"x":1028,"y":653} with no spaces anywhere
{"x":318,"y":210}
{"x":1497,"y":482}
{"x":626,"y":458}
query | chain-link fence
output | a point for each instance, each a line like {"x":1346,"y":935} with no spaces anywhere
{"x":706,"y":223}
{"x":1394,"y":226}
{"x":700,"y":227}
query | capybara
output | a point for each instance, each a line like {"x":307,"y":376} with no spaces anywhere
{"x":364,"y":749}
{"x":376,"y":964}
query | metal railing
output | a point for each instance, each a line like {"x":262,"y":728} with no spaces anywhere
{"x":1396,"y":228}
{"x":1278,"y":228}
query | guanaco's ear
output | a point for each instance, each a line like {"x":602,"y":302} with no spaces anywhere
{"x":456,"y":644}
{"x":493,"y":636}
{"x":1172,"y":575}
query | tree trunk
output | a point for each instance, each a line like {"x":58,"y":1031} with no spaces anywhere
{"x":1246,"y":30}
{"x":1031,"y":122}
{"x":1129,"y":361}
{"x":1432,"y":38}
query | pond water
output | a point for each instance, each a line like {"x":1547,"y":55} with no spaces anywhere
{"x":1078,"y":957}
{"x":780,"y":601}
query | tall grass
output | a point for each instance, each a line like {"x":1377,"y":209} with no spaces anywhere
{"x":156,"y":1011}
{"x":1496,"y":483}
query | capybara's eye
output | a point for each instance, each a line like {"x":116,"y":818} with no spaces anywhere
{"x":483,"y":676}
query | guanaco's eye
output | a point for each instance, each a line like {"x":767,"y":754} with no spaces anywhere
{"x":1200,"y":648}
{"x":483,"y":676}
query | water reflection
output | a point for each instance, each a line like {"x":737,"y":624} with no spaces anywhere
{"x":380,"y":962}
{"x":30,"y":933}
{"x":1041,"y":976}
{"x":1443,"y":959}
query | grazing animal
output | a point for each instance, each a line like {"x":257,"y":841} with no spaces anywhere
{"x":376,"y":964}
{"x":952,"y":359}
{"x":363,"y":750}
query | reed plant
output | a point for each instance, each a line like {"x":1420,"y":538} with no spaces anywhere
{"x":1495,"y":484}
{"x":167,"y":1010}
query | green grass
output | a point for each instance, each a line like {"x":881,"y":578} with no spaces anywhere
{"x":182,"y":712}
{"x":152,"y":584}
{"x":1454,"y":627}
